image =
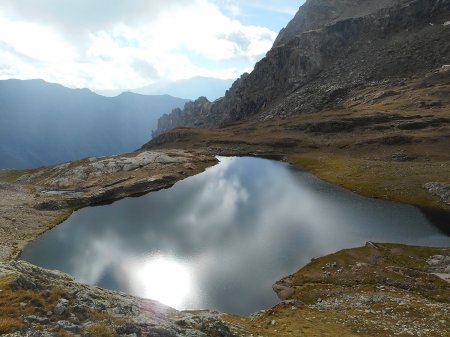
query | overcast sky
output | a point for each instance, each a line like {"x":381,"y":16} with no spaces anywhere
{"x":111,"y":44}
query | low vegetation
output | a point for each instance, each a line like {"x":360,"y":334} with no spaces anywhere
{"x":379,"y":145}
{"x":377,"y":290}
{"x":100,"y":330}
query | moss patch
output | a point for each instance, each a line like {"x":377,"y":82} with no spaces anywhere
{"x":398,"y":181}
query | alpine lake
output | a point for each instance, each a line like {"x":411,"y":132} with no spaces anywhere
{"x":220,"y":239}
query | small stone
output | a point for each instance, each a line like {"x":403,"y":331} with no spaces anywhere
{"x":81,"y":312}
{"x":61,"y":307}
{"x":128,"y":329}
{"x":21,"y":282}
{"x":68,"y":326}
{"x":37,"y":319}
{"x":273,"y":322}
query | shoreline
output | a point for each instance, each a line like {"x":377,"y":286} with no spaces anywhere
{"x":303,"y":305}
{"x":63,"y":206}
{"x":27,"y":213}
{"x":379,"y":289}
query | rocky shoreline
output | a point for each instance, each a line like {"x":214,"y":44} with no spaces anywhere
{"x":48,"y":303}
{"x":39,"y":302}
{"x":379,"y":289}
{"x":376,"y":290}
{"x":359,"y":97}
{"x":34,"y":201}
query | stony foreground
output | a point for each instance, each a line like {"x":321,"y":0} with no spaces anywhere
{"x":376,"y":290}
{"x":38,"y":302}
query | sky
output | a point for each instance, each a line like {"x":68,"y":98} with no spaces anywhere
{"x":125,"y":44}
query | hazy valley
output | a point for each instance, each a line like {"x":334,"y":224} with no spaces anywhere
{"x":44,"y":123}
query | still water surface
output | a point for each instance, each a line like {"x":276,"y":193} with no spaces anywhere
{"x":219,"y":240}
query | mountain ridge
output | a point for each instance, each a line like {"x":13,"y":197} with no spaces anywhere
{"x":358,"y":103}
{"x":190,"y":88}
{"x":45,"y":123}
{"x":316,"y":69}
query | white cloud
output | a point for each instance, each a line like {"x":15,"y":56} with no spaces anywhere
{"x":35,"y":41}
{"x":281,"y":6}
{"x":231,"y":7}
{"x":109,"y":44}
{"x":87,"y":14}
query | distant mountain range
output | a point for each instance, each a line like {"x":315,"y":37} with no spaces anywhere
{"x":211,"y":88}
{"x":43,"y":123}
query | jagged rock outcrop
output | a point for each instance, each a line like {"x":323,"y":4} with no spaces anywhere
{"x":197,"y":113}
{"x":316,"y":14}
{"x":330,"y":49}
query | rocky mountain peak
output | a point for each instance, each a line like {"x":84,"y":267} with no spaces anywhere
{"x":316,"y":14}
{"x":330,"y":49}
{"x":194,"y":113}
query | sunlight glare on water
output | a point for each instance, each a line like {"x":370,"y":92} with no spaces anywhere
{"x":161,"y":278}
{"x":220,"y":239}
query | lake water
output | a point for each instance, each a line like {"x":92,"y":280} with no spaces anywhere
{"x":219,"y":240}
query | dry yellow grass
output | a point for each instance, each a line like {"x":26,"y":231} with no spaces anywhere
{"x":385,"y":179}
{"x":100,"y":330}
{"x":10,"y":324}
{"x":363,"y":158}
{"x":392,"y":273}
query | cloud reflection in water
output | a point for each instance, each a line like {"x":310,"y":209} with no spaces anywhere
{"x":219,"y":240}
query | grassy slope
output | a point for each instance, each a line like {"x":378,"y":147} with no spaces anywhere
{"x":390,"y":158}
{"x":378,"y":290}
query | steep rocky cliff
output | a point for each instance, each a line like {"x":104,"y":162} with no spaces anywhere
{"x":194,"y":114}
{"x":327,"y":52}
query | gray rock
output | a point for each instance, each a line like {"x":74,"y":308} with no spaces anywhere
{"x":61,"y":307}
{"x":283,"y":292}
{"x":68,"y":326}
{"x":327,"y":50}
{"x":128,"y":329}
{"x":21,"y":282}
{"x":435,"y":260}
{"x":37,"y":319}
{"x":31,"y":333}
{"x":441,"y":190}
{"x":81,"y":312}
